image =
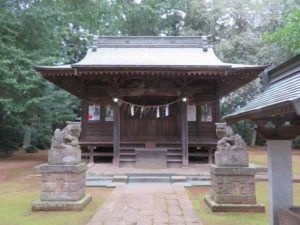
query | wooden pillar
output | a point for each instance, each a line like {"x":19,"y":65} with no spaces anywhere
{"x":210,"y":155}
{"x":116,"y":133}
{"x":184,"y":135}
{"x":280,"y":177}
{"x":84,"y":118}
{"x":217,"y":110}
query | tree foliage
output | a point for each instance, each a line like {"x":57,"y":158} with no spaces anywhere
{"x":289,"y":34}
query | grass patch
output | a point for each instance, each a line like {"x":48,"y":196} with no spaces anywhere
{"x":259,"y":156}
{"x":18,"y":189}
{"x":208,"y":218}
{"x":16,"y":198}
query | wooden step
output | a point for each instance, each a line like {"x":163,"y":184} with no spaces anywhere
{"x":127,"y":160}
{"x":127,"y":164}
{"x":174,"y":154}
{"x":199,"y":154}
{"x":97,"y":154}
{"x":127,"y":153}
{"x":127,"y":148}
{"x":174,"y":157}
{"x":168,"y":145}
{"x":132,"y":145}
{"x":174,"y":160}
{"x":174,"y":164}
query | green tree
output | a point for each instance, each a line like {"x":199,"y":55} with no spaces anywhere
{"x":25,"y":98}
{"x":288,"y":35}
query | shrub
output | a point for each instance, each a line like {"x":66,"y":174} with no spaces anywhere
{"x":296,"y":142}
{"x":31,"y":149}
{"x":10,"y":139}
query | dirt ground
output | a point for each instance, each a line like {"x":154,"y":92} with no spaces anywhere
{"x":20,"y":163}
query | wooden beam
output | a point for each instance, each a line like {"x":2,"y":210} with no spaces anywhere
{"x":284,"y":132}
{"x":184,"y":135}
{"x":116,"y":133}
{"x":150,"y":91}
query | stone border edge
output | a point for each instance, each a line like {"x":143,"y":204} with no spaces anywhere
{"x":215,"y":207}
{"x":61,"y":205}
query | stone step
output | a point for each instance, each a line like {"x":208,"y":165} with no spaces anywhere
{"x":149,"y":179}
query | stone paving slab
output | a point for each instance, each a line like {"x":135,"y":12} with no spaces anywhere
{"x":147,"y":204}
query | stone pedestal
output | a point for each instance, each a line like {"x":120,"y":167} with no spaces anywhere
{"x":232,"y":158}
{"x":233,"y":190}
{"x":62,"y":188}
{"x":63,"y":178}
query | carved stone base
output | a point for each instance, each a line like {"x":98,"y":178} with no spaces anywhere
{"x":233,"y":185}
{"x":62,"y":188}
{"x":215,"y":207}
{"x":232,"y":158}
{"x":62,"y":205}
{"x":233,"y":190}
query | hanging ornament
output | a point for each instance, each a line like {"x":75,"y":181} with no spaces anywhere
{"x":142,"y":110}
{"x":157,"y":113}
{"x":132,"y":110}
{"x":167,"y":110}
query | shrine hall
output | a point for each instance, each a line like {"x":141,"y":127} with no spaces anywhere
{"x":150,"y":101}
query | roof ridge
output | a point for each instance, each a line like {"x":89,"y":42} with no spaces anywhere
{"x":150,"y":41}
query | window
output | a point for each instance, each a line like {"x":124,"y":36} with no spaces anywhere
{"x":191,"y":113}
{"x":206,"y":113}
{"x":109,"y":113}
{"x":94,"y":113}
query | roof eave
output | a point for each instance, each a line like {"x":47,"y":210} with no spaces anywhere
{"x":284,"y":64}
{"x":259,"y":112}
{"x":188,"y":67}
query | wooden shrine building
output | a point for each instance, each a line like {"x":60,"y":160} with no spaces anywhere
{"x":149,"y":101}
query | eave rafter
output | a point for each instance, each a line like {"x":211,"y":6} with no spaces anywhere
{"x":96,"y":74}
{"x":226,"y":79}
{"x":233,"y":81}
{"x":264,"y":115}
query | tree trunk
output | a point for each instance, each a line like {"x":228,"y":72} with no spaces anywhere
{"x":26,"y":137}
{"x":254,"y":135}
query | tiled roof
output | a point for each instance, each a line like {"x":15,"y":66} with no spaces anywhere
{"x":152,"y":52}
{"x":284,"y":88}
